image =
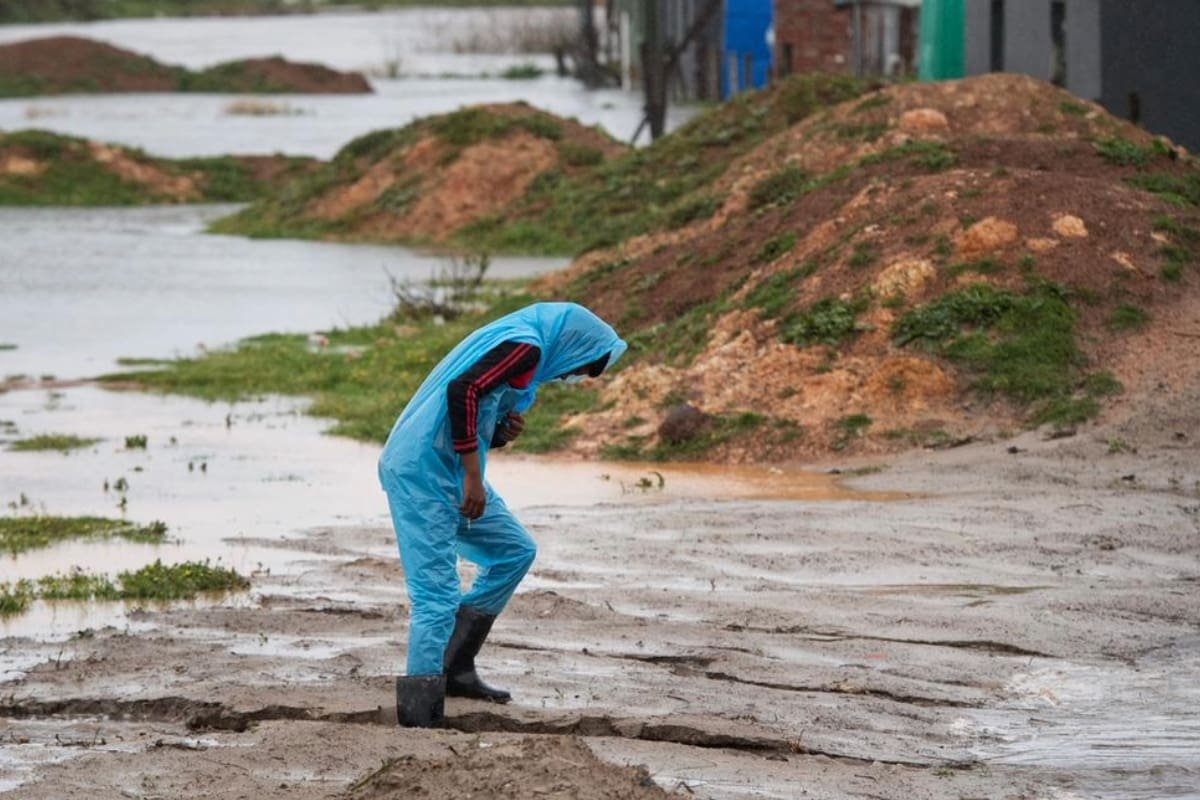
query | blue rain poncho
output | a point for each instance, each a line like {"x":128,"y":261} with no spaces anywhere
{"x":423,"y":476}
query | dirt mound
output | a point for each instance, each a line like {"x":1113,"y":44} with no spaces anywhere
{"x":61,"y":64}
{"x":549,"y":766}
{"x":430,"y":181}
{"x":927,"y":264}
{"x":276,"y":75}
{"x":68,"y":64}
{"x":555,"y":189}
{"x":42,"y":168}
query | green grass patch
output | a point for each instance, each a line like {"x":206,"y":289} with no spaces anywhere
{"x":364,"y":394}
{"x":62,"y":442}
{"x":1019,"y":345}
{"x":155,"y":582}
{"x":1180,"y":190}
{"x":1126,"y":317}
{"x":927,"y":154}
{"x":678,"y":341}
{"x":1102,"y":384}
{"x":1073,"y":109}
{"x":16,"y":597}
{"x":1123,"y":152}
{"x":779,"y":189}
{"x":829,"y":321}
{"x":690,"y":209}
{"x":19,"y":534}
{"x":160,"y":581}
{"x":71,"y":176}
{"x":77,"y":586}
{"x":775,"y":294}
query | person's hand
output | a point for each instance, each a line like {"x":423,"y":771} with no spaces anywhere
{"x":514,"y":423}
{"x":474,"y":496}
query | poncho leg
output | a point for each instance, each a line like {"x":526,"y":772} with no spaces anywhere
{"x":502,"y":549}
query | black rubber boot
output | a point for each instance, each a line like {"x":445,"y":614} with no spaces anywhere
{"x":421,"y":701}
{"x":471,"y":627}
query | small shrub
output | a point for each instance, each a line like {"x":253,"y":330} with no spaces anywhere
{"x":135,"y":442}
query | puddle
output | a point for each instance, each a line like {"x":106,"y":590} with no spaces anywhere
{"x":239,"y":484}
{"x":524,"y":482}
{"x":1093,"y":720}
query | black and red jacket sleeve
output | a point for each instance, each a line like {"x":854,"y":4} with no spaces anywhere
{"x":508,"y":362}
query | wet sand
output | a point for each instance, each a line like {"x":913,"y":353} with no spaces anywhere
{"x":1009,"y":619}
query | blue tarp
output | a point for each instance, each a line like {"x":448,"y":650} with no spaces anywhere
{"x":746,"y":62}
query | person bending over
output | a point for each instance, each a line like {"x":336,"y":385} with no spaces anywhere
{"x":433,"y":468}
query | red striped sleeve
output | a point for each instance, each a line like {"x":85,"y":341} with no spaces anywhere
{"x":507,"y":362}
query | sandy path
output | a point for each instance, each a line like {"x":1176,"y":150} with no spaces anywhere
{"x":1027,"y":626}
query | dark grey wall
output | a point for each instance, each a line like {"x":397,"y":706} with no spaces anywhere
{"x":1028,"y":44}
{"x":1153,"y":49}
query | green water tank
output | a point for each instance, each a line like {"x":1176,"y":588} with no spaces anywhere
{"x":943,"y":30}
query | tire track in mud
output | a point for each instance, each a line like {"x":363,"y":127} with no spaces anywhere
{"x":199,"y":715}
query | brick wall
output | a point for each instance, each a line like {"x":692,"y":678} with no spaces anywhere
{"x":815,"y":34}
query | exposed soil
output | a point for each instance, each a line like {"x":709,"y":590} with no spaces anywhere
{"x":1022,"y":194}
{"x":1019,"y":624}
{"x":69,"y":64}
{"x":428,"y":186}
{"x":40,"y":168}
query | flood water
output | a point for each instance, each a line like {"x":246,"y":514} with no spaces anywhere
{"x":149,"y":283}
{"x":82,"y":288}
{"x":436,"y":52}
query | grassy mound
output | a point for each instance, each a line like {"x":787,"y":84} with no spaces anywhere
{"x":923,"y":264}
{"x":75,"y":65}
{"x":515,"y":180}
{"x":42,"y":168}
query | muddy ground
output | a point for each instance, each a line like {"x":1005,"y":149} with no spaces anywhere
{"x":1023,"y":623}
